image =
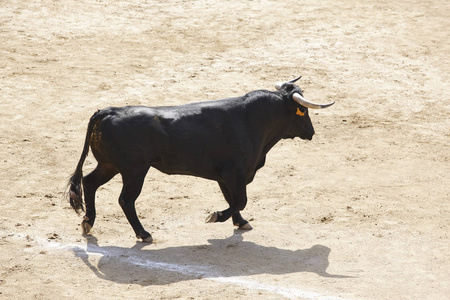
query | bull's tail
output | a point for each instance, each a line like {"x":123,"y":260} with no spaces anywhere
{"x":76,"y":180}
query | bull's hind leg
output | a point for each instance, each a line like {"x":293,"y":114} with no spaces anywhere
{"x":132,"y":186}
{"x":91,"y":182}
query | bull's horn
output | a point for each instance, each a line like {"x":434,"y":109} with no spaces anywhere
{"x":302,"y":101}
{"x":294,"y":80}
{"x":278,"y":85}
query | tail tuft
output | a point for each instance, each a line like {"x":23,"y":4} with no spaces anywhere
{"x":75,"y":194}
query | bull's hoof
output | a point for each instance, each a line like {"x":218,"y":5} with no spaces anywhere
{"x":85,"y":226}
{"x":212,"y":218}
{"x":245,"y":226}
{"x":147,"y":239}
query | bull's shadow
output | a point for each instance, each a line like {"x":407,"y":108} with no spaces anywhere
{"x":228,"y":257}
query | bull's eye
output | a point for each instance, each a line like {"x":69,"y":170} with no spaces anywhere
{"x":300,"y":112}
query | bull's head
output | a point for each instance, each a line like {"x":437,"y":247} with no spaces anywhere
{"x":299,"y":123}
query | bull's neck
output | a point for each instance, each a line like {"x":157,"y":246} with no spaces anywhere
{"x":271,"y":121}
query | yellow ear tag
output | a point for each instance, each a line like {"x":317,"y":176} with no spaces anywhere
{"x":299,"y":112}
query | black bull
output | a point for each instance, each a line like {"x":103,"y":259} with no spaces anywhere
{"x":224,"y":140}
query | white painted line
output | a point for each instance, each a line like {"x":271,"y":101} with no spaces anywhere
{"x":198,"y":271}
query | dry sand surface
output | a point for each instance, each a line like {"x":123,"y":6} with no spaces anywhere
{"x":360,"y":212}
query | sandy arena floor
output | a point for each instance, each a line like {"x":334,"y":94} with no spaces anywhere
{"x":360,"y":212}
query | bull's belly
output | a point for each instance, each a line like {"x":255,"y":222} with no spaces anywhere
{"x":196,"y":172}
{"x":205,"y":169}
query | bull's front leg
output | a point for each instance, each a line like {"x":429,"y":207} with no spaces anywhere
{"x":235,"y":192}
{"x":238,"y":220}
